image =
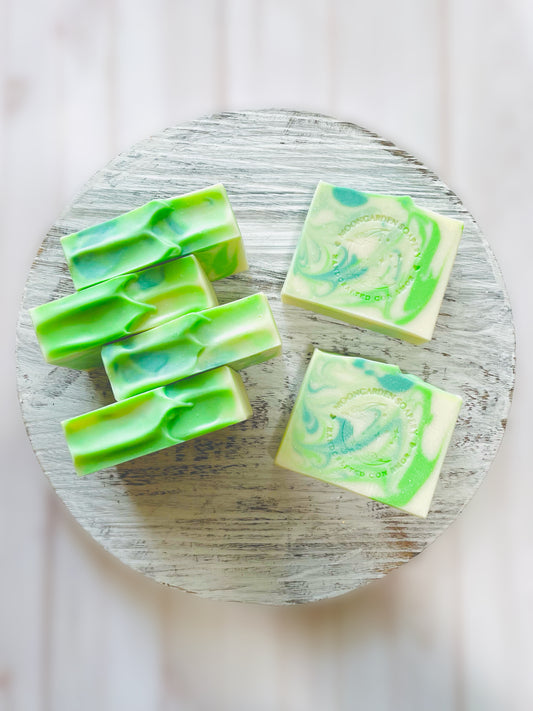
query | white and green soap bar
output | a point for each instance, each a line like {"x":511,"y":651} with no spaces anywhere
{"x":200,"y":223}
{"x":238,"y":334}
{"x":156,"y":419}
{"x":369,"y":428}
{"x":71,"y":331}
{"x":376,"y":261}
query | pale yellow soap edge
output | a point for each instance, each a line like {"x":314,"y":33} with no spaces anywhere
{"x":204,"y":282}
{"x":353,"y":320}
{"x":242,"y":260}
{"x":352,"y":491}
{"x":241,"y":394}
{"x":433,"y":480}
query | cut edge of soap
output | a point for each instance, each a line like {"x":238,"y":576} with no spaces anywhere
{"x":355,"y":320}
{"x":242,"y":393}
{"x":242,"y":260}
{"x":203,"y":280}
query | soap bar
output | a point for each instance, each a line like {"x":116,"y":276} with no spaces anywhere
{"x":238,"y":334}
{"x":71,"y":331}
{"x":372,"y":260}
{"x":367,"y":427}
{"x":156,"y":419}
{"x":201,"y":222}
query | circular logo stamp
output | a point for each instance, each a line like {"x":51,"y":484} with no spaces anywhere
{"x":375,"y":257}
{"x":372,"y":434}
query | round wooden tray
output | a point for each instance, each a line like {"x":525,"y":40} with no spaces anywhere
{"x":215,"y":516}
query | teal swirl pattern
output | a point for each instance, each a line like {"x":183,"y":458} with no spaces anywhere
{"x":373,"y":260}
{"x":369,"y":428}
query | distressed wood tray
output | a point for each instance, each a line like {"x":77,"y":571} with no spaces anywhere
{"x":215,"y":516}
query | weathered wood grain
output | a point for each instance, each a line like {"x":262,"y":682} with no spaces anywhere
{"x":215,"y":516}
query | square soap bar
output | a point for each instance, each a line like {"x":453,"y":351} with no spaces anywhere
{"x":367,"y":427}
{"x":201,"y":222}
{"x":71,"y":331}
{"x":238,"y":334}
{"x":376,"y":261}
{"x":156,"y":419}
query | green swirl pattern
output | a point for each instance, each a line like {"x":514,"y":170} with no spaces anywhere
{"x":369,"y":428}
{"x":373,"y":260}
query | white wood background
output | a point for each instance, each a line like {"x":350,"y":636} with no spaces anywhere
{"x":452,"y":82}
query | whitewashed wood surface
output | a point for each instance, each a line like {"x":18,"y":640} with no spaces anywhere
{"x":450,"y":82}
{"x":216,"y":516}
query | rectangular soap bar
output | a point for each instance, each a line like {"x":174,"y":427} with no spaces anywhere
{"x":238,"y":334}
{"x":156,"y":419}
{"x":71,"y":331}
{"x":201,"y":222}
{"x":376,"y":261}
{"x":367,"y":427}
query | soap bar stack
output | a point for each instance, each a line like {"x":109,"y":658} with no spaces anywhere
{"x":145,"y":306}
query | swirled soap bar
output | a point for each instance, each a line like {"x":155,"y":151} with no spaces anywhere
{"x":376,"y":261}
{"x":238,"y":334}
{"x":71,"y":331}
{"x":157,"y":419}
{"x":367,"y":427}
{"x":201,"y":222}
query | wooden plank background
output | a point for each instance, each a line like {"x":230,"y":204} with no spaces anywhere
{"x":450,"y":81}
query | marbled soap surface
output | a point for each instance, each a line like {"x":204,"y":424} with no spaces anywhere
{"x":374,"y":260}
{"x":369,"y":428}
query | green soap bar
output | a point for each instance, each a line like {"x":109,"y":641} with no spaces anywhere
{"x":238,"y":334}
{"x":156,"y":419}
{"x":367,"y":427}
{"x":376,"y":261}
{"x":201,"y":222}
{"x":71,"y":331}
